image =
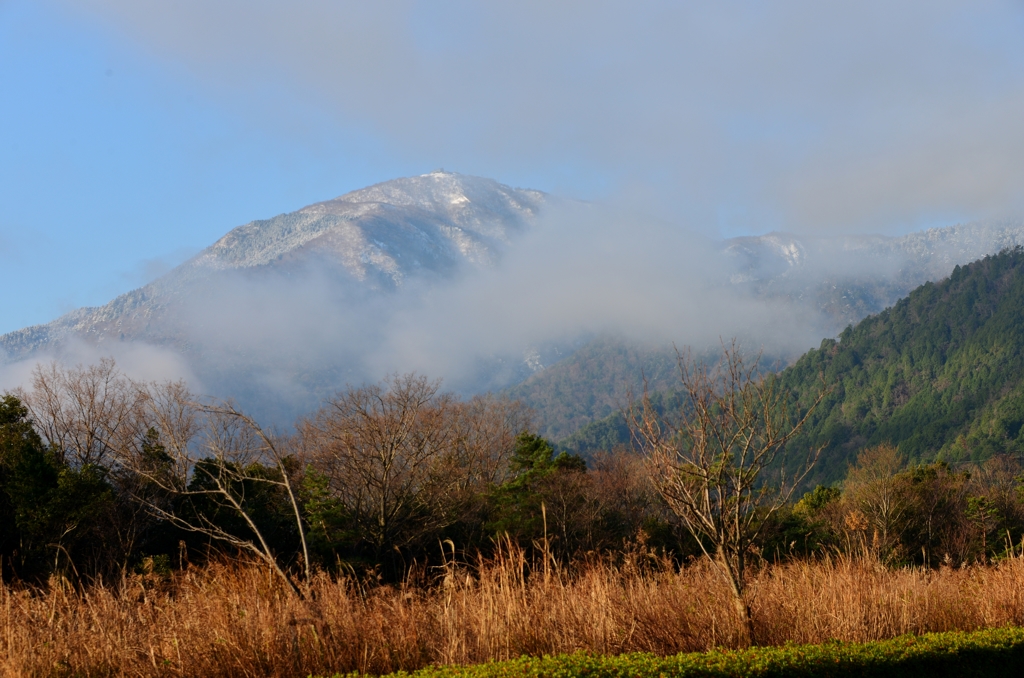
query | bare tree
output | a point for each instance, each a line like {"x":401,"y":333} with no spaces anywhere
{"x":571,"y":510}
{"x":486,"y":428}
{"x":208,"y":457}
{"x":712,"y":459}
{"x":86,"y":415}
{"x":89,"y":417}
{"x":386,"y":450}
{"x":623,"y":488}
{"x":875,"y":488}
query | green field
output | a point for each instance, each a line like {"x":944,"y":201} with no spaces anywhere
{"x":990,"y":652}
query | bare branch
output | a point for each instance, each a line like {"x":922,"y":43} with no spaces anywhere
{"x":713,"y":457}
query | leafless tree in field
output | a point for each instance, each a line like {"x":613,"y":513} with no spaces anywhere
{"x":486,"y":430}
{"x":717,"y":462}
{"x":623,"y":489}
{"x":208,"y":454}
{"x":403,"y":458}
{"x":875,"y":488}
{"x":381,"y":447}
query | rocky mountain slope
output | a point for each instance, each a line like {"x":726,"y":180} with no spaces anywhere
{"x":375,"y":238}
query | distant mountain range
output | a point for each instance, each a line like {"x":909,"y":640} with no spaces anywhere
{"x":280,"y":312}
{"x":851,"y":277}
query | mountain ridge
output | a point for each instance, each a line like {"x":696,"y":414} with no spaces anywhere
{"x":940,"y":374}
{"x":452,"y":217}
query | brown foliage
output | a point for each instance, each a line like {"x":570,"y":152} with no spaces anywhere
{"x":406,"y":459}
{"x":227,"y":621}
{"x":930,"y":514}
{"x":878,"y":497}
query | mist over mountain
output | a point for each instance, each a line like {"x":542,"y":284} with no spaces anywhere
{"x":820,"y":285}
{"x":294,"y":303}
{"x":488,"y":287}
{"x":849,"y":278}
{"x":373,"y":239}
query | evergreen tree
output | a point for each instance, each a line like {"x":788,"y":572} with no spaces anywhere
{"x":538,"y":475}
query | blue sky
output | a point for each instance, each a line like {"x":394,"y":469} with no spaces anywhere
{"x":133,"y":133}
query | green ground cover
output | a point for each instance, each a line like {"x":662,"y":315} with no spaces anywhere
{"x":990,"y":652}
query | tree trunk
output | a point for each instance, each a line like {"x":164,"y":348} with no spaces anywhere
{"x":746,"y":637}
{"x":746,"y":623}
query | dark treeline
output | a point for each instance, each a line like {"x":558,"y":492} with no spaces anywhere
{"x":100,"y":476}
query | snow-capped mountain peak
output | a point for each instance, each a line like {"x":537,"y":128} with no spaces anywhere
{"x":376,"y":238}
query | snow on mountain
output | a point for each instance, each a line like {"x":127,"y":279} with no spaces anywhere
{"x":847,"y":278}
{"x":376,"y":238}
{"x":433,"y":220}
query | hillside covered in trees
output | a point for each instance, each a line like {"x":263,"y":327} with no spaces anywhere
{"x":940,"y":375}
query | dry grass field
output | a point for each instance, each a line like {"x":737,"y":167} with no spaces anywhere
{"x":236,"y":620}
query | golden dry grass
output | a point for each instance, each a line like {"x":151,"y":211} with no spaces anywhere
{"x":238,"y":621}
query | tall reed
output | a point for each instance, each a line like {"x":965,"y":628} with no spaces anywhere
{"x":224,"y":620}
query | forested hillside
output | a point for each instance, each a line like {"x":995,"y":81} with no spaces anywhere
{"x":592,"y":383}
{"x":940,"y":374}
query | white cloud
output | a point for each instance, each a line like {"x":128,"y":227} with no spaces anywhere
{"x":811,"y":115}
